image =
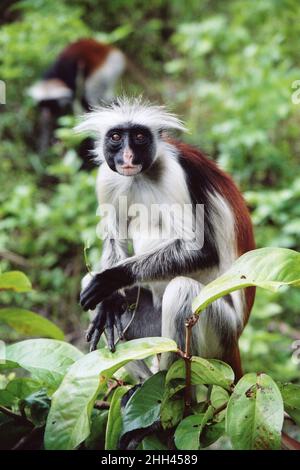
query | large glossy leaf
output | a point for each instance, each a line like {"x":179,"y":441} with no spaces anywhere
{"x":172,"y":411}
{"x":211,"y":433}
{"x":254,"y":415}
{"x":47,"y":359}
{"x":115,"y":421}
{"x":172,"y":407}
{"x":68,"y":422}
{"x":209,"y":372}
{"x":30,"y":323}
{"x":96,"y":439}
{"x":291,"y":399}
{"x":269,"y":268}
{"x":16,"y":281}
{"x":187,"y":434}
{"x":143,"y":408}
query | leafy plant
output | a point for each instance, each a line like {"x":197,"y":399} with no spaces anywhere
{"x":67,"y":395}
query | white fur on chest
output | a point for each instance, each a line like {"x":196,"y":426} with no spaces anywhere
{"x":142,"y":199}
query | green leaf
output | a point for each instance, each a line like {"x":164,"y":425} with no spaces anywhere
{"x":29,"y":323}
{"x":16,"y":390}
{"x":114,"y":423}
{"x":39,"y":404}
{"x":291,"y":399}
{"x":211,"y":433}
{"x":209,"y":372}
{"x":46,"y":359}
{"x":171,"y":412}
{"x":16,"y":281}
{"x":254,"y":415}
{"x":143,"y":408}
{"x":269,"y":268}
{"x":68,"y":422}
{"x":172,"y":406}
{"x":96,"y":439}
{"x":187,"y":434}
{"x":153,"y":443}
{"x":218,"y":396}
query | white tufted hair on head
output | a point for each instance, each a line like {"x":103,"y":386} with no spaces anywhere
{"x":131,"y":111}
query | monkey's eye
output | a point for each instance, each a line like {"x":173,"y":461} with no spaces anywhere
{"x":116,"y":137}
{"x":140,"y":137}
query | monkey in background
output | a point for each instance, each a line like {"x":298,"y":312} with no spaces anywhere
{"x":139,"y":161}
{"x":86,"y":71}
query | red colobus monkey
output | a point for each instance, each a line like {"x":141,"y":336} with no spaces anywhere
{"x":87,"y":63}
{"x":139,"y":161}
{"x":86,"y":70}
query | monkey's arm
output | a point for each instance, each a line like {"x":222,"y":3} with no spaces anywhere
{"x":171,"y":259}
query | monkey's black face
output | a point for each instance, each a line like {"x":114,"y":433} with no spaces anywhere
{"x":129,"y":150}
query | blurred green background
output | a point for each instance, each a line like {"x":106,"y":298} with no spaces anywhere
{"x":227,"y":68}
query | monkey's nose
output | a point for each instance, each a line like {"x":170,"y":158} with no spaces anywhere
{"x":127,"y":156}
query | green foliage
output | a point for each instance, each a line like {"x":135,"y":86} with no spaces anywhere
{"x":29,"y":323}
{"x":188,"y":432}
{"x":83,"y":379}
{"x":213,"y":372}
{"x":143,"y":409}
{"x":291,"y":399}
{"x":46,"y":359}
{"x":269,"y":268}
{"x":15,"y":281}
{"x":114,"y":422}
{"x":58,"y":399}
{"x":255,"y":413}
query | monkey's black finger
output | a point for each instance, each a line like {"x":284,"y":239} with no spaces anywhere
{"x":95,"y":340}
{"x":91,"y":302}
{"x":110,"y":335}
{"x":98,"y":322}
{"x":90,"y":332}
{"x":119,"y":326}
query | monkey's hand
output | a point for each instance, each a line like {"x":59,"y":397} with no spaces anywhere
{"x":103,"y":285}
{"x":108,"y":316}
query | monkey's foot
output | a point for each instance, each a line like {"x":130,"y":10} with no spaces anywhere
{"x":108,"y":316}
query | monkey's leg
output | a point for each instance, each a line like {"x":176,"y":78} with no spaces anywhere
{"x":215,"y":335}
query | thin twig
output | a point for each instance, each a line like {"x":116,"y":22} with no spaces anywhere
{"x":221,"y":408}
{"x":189,"y":324}
{"x":188,"y":369}
{"x":14,"y":258}
{"x":101,"y":405}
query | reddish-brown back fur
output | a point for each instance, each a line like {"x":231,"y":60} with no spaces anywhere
{"x":88,"y":51}
{"x":223,"y":184}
